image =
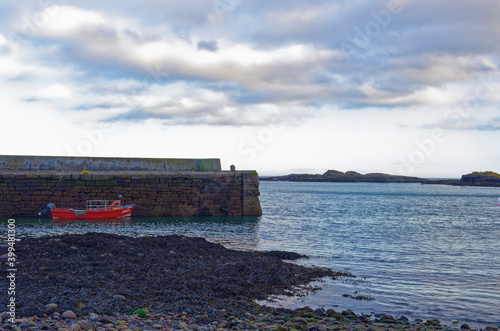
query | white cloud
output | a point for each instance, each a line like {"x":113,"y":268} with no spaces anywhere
{"x":56,"y":91}
{"x":3,"y":40}
{"x":165,"y":70}
{"x":68,"y":21}
{"x":108,"y":37}
{"x":428,"y":95}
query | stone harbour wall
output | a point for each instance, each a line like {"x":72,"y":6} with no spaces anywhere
{"x":179,"y":193}
{"x":72,"y":163}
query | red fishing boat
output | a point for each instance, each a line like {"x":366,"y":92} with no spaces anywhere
{"x":95,"y":209}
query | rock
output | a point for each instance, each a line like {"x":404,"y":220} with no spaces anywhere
{"x":299,"y":320}
{"x":284,"y":255}
{"x":351,"y":313}
{"x":363,"y":318}
{"x":85,"y":326}
{"x":320,"y":312}
{"x":56,"y":314}
{"x":491,"y":327}
{"x":118,"y":297}
{"x":51,"y":306}
{"x":23,"y":326}
{"x":331,"y":313}
{"x":403,"y":318}
{"x":387,"y":319}
{"x":465,"y":326}
{"x":68,"y":315}
{"x":454,"y":322}
{"x":75,"y":327}
{"x":106,"y":321}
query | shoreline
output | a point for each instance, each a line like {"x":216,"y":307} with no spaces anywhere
{"x":108,"y":274}
{"x":333,"y":176}
{"x":281,"y":320}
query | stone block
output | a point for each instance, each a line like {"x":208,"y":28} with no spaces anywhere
{"x":193,"y":194}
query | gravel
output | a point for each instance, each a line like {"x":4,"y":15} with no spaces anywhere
{"x":107,"y":274}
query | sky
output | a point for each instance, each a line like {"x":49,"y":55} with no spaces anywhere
{"x":404,"y":87}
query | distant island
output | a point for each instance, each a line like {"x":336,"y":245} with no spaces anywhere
{"x":486,"y":178}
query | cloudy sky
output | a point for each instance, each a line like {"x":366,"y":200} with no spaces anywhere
{"x":399,"y":86}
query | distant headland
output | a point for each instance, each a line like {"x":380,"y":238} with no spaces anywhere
{"x":486,"y":178}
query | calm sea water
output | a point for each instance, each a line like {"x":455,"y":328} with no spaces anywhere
{"x":423,"y":251}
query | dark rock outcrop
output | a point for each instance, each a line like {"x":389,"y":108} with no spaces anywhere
{"x":487,"y":178}
{"x":474,"y":179}
{"x":347,"y":177}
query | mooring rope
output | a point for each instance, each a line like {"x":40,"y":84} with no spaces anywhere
{"x":51,"y":193}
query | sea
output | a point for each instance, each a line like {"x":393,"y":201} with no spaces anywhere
{"x":422,"y":251}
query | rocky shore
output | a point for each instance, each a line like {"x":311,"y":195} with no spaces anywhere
{"x":300,"y":319}
{"x":110,"y":282}
{"x":336,"y":176}
{"x":487,"y":178}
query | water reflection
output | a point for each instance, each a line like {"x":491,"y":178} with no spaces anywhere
{"x":234,"y":232}
{"x":104,"y":222}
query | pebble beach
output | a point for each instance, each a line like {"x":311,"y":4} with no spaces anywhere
{"x":301,"y":319}
{"x":110,"y":282}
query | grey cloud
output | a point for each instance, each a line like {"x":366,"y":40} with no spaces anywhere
{"x":183,"y":116}
{"x":470,"y":123}
{"x":5,"y":49}
{"x":208,"y":45}
{"x":428,"y":44}
{"x":33,"y":99}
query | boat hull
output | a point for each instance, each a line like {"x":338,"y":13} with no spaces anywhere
{"x":96,"y":213}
